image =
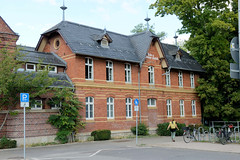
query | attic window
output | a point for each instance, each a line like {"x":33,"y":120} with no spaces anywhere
{"x":178,"y":57}
{"x":104,"y":43}
{"x":56,"y":43}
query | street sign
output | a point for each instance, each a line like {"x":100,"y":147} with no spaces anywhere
{"x":136,"y":102}
{"x":136,"y":108}
{"x":24,"y":99}
{"x":234,"y":67}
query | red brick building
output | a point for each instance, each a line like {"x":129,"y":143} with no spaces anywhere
{"x":110,"y":70}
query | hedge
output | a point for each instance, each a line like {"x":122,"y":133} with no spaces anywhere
{"x":142,"y":129}
{"x":101,"y":135}
{"x":7,"y":143}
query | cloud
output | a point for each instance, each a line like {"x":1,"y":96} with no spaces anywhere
{"x":52,"y":2}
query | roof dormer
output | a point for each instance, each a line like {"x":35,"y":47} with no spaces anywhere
{"x":178,"y":56}
{"x":103,"y":39}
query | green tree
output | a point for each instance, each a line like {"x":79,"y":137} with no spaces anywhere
{"x":141,"y":28}
{"x":211,"y":25}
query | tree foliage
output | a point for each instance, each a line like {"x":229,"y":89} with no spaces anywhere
{"x":141,"y":28}
{"x":211,"y":25}
{"x":68,"y":119}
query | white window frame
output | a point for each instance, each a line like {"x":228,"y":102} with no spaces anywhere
{"x":104,"y":43}
{"x":44,"y":66}
{"x":56,"y":106}
{"x":129,"y":107}
{"x":128,"y":77}
{"x":52,"y":71}
{"x":151,"y":75}
{"x":88,"y":68}
{"x":151,"y":102}
{"x":181,"y":106}
{"x":35,"y":105}
{"x":180,"y":79}
{"x":194,"y":112}
{"x":109,"y":71}
{"x":110,"y":108}
{"x":168,"y":78}
{"x":192,"y":81}
{"x":169,"y":108}
{"x":31,"y":70}
{"x":89,"y":103}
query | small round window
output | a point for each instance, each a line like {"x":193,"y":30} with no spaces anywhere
{"x":56,"y":43}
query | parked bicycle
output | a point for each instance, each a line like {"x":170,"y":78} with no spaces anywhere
{"x":224,"y":134}
{"x":188,"y":135}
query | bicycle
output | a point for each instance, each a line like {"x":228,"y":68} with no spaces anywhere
{"x":224,"y":134}
{"x":188,"y":136}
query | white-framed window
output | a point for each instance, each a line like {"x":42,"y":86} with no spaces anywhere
{"x":109,"y":71}
{"x":151,"y":75}
{"x":169,"y":107}
{"x":89,"y":107}
{"x":193,"y":108}
{"x":104,"y":43}
{"x":129,"y":107}
{"x":168,"y":80}
{"x":89,"y":68}
{"x":37,"y":104}
{"x":52,"y":69}
{"x":110,"y":108}
{"x":181,"y":105}
{"x":30,"y":67}
{"x":128,"y":73}
{"x":180,"y":79}
{"x":56,"y":106}
{"x":192,"y":83}
{"x":42,"y":68}
{"x":151,"y":102}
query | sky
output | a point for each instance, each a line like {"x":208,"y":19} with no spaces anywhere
{"x":30,"y":18}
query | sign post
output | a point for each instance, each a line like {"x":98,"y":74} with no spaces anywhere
{"x":136,"y":109}
{"x":24,"y":102}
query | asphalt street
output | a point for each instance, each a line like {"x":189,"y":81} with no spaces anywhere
{"x":149,"y":148}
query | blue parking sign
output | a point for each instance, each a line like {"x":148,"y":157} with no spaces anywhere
{"x":24,"y":97}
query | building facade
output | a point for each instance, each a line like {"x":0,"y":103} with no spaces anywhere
{"x":108,"y":72}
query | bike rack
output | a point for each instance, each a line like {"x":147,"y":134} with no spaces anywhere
{"x":236,"y":129}
{"x":199,"y":133}
{"x":210,"y":133}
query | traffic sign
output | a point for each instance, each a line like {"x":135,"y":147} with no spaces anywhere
{"x":24,"y":99}
{"x":136,"y":108}
{"x":136,"y":102}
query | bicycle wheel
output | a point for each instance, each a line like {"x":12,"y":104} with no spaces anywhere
{"x":222,"y":138}
{"x":187,"y":137}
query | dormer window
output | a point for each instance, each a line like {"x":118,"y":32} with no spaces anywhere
{"x":104,"y":43}
{"x":178,"y":57}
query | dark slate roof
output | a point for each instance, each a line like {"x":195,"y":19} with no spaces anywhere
{"x":83,"y":40}
{"x":62,"y":80}
{"x":32,"y":56}
{"x":187,"y":62}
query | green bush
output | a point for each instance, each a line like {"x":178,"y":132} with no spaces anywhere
{"x":162,"y":129}
{"x":142,"y":129}
{"x":7,"y":143}
{"x":101,"y":135}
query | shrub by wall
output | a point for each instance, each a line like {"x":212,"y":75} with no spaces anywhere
{"x":142,"y":129}
{"x":162,"y":129}
{"x":7,"y":143}
{"x":101,"y":135}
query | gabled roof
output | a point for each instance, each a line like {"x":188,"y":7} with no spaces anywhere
{"x":4,"y":28}
{"x":82,"y":40}
{"x":187,"y":62}
{"x":32,"y":56}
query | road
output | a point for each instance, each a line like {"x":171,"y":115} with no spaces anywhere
{"x":126,"y":149}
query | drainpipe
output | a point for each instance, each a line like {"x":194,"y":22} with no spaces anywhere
{"x":139,"y":93}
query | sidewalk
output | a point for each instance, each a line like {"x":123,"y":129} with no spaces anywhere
{"x":166,"y":142}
